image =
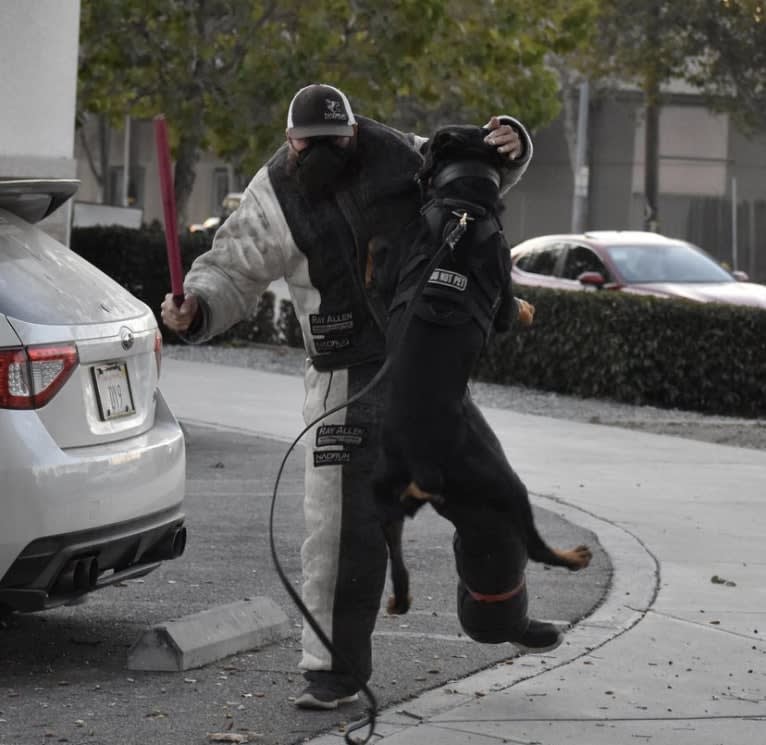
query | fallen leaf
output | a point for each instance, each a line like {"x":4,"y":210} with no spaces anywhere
{"x":716,"y":580}
{"x":226,"y":737}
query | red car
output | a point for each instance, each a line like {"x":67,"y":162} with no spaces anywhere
{"x":631,"y":261}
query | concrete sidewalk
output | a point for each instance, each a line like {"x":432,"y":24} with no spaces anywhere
{"x":677,"y":652}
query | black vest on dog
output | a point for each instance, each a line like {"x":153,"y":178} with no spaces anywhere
{"x":461,"y":177}
{"x":447,"y":323}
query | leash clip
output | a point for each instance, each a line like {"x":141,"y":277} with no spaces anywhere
{"x":457,"y":232}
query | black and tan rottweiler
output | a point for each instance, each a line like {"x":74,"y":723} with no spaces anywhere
{"x":436,"y":446}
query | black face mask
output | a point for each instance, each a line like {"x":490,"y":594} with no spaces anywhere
{"x":320,"y":166}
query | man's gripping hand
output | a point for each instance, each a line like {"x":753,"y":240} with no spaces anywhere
{"x":179,"y":318}
{"x":505,"y":138}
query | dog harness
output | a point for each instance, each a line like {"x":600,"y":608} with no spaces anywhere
{"x":464,"y":286}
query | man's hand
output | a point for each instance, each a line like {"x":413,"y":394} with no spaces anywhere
{"x":505,"y":138}
{"x":179,"y":319}
{"x":526,"y":312}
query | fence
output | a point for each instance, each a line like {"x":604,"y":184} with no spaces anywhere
{"x":709,"y":225}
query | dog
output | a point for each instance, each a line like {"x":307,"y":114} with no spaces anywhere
{"x":435,"y":446}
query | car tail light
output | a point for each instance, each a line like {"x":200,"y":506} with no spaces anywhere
{"x":32,"y":376}
{"x":158,"y":350}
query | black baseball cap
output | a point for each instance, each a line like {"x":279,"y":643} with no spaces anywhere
{"x":320,"y":110}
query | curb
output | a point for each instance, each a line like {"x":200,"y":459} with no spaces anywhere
{"x":198,"y":639}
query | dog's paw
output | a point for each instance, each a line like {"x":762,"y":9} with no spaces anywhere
{"x":398,"y":606}
{"x":575,"y":558}
{"x":413,"y":498}
{"x":526,"y":312}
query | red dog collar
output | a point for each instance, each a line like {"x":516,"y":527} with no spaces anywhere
{"x":497,"y":598}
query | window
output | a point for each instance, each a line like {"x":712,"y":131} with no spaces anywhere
{"x":525,"y":262}
{"x":545,"y":258}
{"x":582,"y":259}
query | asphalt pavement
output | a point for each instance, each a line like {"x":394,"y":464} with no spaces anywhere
{"x":64,"y":676}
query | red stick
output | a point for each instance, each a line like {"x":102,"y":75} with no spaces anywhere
{"x":169,"y":209}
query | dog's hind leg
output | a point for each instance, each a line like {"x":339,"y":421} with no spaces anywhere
{"x":492,"y":594}
{"x":413,"y":498}
{"x":388,"y":481}
{"x":399,"y":603}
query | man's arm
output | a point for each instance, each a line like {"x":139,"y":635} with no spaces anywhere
{"x":225,"y":283}
{"x":511,"y":138}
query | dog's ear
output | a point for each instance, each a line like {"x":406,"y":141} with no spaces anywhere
{"x":443,"y":138}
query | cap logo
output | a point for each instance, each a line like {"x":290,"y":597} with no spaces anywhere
{"x":333,"y":110}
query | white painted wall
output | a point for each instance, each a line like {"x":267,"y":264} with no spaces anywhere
{"x":38,"y":91}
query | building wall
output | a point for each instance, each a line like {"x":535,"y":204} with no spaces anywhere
{"x":38,"y":88}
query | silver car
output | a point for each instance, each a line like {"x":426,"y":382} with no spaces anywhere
{"x":92,"y":461}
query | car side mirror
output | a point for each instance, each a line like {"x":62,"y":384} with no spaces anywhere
{"x":591,"y":279}
{"x":740,"y":276}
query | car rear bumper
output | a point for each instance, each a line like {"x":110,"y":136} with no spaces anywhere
{"x":58,"y":569}
{"x":116,"y":503}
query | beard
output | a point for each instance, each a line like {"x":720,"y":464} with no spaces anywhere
{"x":322,"y":167}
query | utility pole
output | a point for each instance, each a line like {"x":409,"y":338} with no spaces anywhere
{"x":581,"y":171}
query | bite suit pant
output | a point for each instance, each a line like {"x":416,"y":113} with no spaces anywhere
{"x":344,"y":555}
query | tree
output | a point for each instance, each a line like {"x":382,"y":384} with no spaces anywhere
{"x":414,"y":64}
{"x":222,"y":71}
{"x":727,"y":41}
{"x":164,"y":56}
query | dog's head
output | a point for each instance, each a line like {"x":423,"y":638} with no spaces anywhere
{"x":459,"y":164}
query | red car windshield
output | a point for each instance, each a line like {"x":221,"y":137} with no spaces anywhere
{"x":671,"y":262}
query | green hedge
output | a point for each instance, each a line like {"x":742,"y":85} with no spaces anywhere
{"x":669,"y":353}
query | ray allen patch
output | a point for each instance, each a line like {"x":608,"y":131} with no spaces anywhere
{"x":340,"y":434}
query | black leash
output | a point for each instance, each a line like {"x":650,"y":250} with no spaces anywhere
{"x":449,"y":244}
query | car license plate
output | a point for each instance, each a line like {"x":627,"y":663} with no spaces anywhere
{"x":113,"y":390}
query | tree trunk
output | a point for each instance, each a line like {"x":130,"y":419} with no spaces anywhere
{"x":104,"y":144}
{"x":652,"y":138}
{"x":652,"y":153}
{"x":187,"y":155}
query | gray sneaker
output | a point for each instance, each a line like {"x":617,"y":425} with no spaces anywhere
{"x":317,"y":696}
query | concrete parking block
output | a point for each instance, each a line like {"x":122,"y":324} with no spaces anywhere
{"x":201,"y":638}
